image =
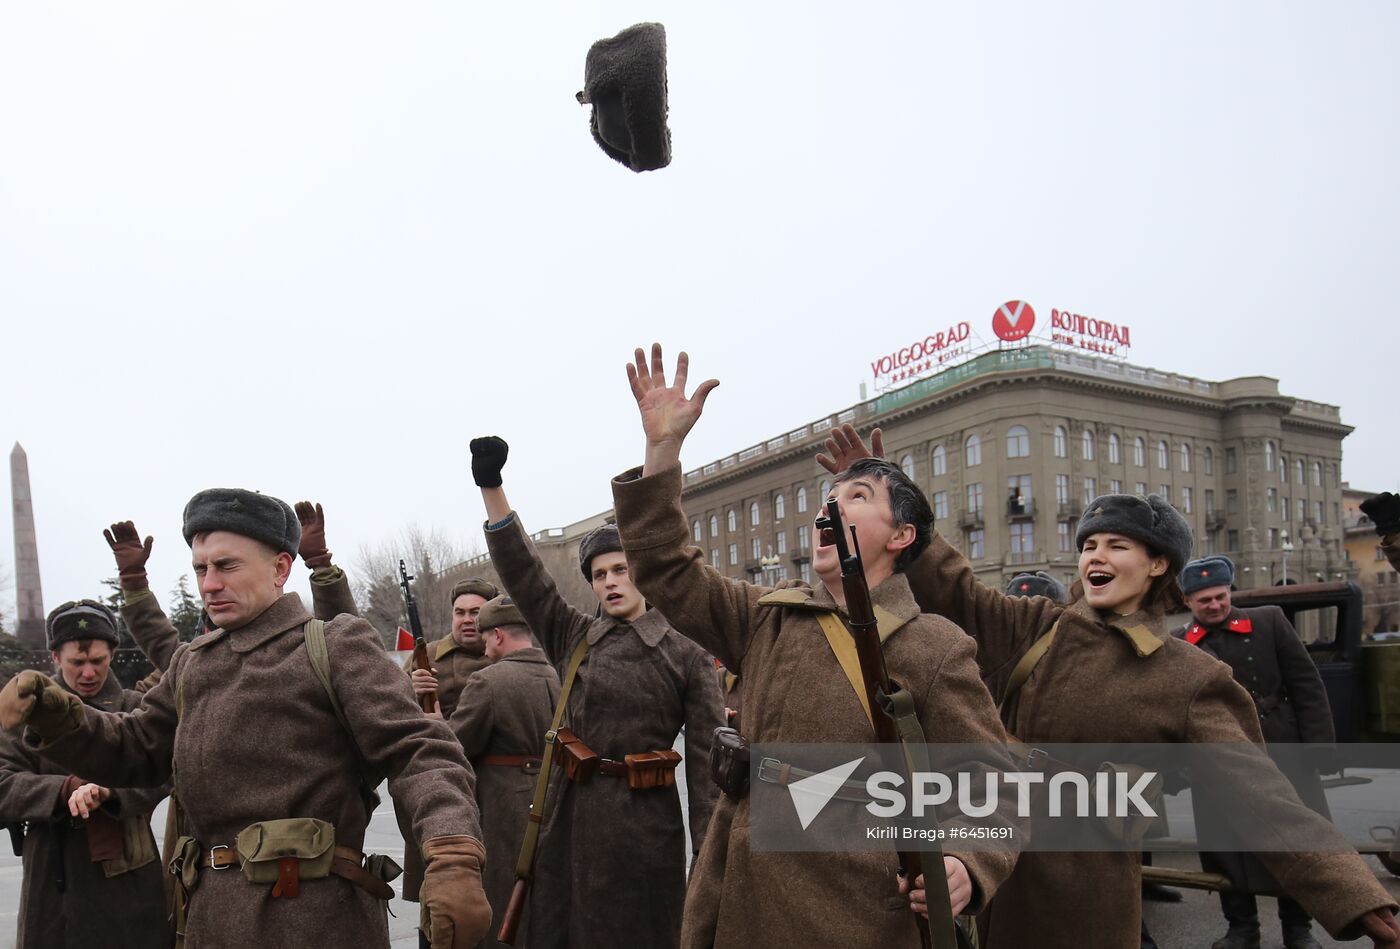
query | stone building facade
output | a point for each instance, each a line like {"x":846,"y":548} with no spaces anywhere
{"x":1009,"y":447}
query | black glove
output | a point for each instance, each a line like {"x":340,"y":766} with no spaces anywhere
{"x":1323,"y":758}
{"x":488,"y":458}
{"x":1384,"y":512}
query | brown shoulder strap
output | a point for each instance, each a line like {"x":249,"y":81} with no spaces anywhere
{"x":1026,"y":666}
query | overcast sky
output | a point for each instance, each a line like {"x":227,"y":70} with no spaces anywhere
{"x":314,"y":248}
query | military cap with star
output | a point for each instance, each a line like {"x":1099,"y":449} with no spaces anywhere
{"x":259,"y":516}
{"x":1039,"y":583}
{"x":1213,"y":571}
{"x":80,"y":620}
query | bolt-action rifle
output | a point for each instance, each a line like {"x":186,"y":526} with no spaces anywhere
{"x":420,"y":645}
{"x":865,"y":630}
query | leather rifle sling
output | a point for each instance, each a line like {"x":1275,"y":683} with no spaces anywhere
{"x":1025,"y":667}
{"x":900,"y":708}
{"x":526,"y":861}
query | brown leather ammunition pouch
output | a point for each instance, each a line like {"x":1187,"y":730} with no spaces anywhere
{"x":578,"y":760}
{"x":652,"y":769}
{"x":729,"y":763}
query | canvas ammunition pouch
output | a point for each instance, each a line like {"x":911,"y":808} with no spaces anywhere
{"x":285,"y":851}
{"x":652,"y":769}
{"x":579,"y":761}
{"x":729,"y":763}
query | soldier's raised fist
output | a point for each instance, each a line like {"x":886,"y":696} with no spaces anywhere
{"x":1384,"y":512}
{"x":312,"y":546}
{"x":488,"y":458}
{"x":131,"y":554}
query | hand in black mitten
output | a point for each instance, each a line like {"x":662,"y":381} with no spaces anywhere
{"x":488,"y":458}
{"x":1384,"y":512}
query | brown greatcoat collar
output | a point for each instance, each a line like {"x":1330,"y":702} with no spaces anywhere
{"x":286,"y":613}
{"x":448,"y":644}
{"x":893,"y":601}
{"x":108,"y":698}
{"x":532,"y":654}
{"x":651,"y":627}
{"x":1145,"y":630}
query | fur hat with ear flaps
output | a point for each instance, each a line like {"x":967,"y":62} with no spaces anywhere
{"x":1150,"y":519}
{"x":624,"y":79}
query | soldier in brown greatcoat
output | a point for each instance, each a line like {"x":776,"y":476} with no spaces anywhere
{"x":501,"y":719}
{"x":456,"y":656}
{"x":611,"y":863}
{"x":92,"y":876}
{"x":1114,"y":674}
{"x":794,"y":691}
{"x":251,"y":735}
{"x":1268,"y":659}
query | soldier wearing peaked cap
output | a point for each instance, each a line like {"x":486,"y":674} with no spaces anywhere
{"x":1109,"y":671}
{"x":611,"y":864}
{"x":91,"y":872}
{"x":1268,"y":659}
{"x":500,"y":719}
{"x":274,"y":727}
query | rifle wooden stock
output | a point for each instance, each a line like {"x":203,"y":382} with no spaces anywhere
{"x":428,"y":701}
{"x":510,"y":920}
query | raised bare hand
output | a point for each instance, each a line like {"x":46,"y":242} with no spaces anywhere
{"x":668,"y":414}
{"x":845,"y":447}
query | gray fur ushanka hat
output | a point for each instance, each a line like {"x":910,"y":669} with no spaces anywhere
{"x":1150,"y":519}
{"x":624,"y":79}
{"x":259,"y":516}
{"x":1213,"y":571}
{"x":1039,"y":583}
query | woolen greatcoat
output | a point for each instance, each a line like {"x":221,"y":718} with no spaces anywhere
{"x":119,"y":903}
{"x":505,"y":709}
{"x":611,"y":864}
{"x":1112,"y":679}
{"x":794,"y":691}
{"x":1268,"y":659}
{"x":258,"y":740}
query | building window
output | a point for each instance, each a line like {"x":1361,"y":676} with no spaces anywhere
{"x":1298,"y":470}
{"x":1018,"y":498}
{"x":1061,"y":442}
{"x":1139,"y":452}
{"x":753,"y":513}
{"x":733,"y":555}
{"x":1332,"y":470}
{"x":1063,"y":536}
{"x":1061,"y":489}
{"x":826,"y":492}
{"x":1232,"y":503}
{"x":1269,"y":456}
{"x":1023,"y":537}
{"x":806,"y":573}
{"x":779,"y":507}
{"x":782,"y":542}
{"x":940,"y":505}
{"x":804,"y":537}
{"x":1210,"y":500}
{"x":731,"y":520}
{"x":1284,"y":507}
{"x":1317,"y":474}
{"x":714,"y":557}
{"x":1186,"y":500}
{"x":1018,"y":442}
{"x":939,"y":461}
{"x":1140,"y":489}
{"x":1283,"y":469}
{"x":973,"y":450}
{"x":976,"y":544}
{"x":1232,"y":464}
{"x":1165,"y":490}
{"x":1212,"y":542}
{"x":1185,"y":457}
{"x":714,"y":526}
{"x":1271,"y":500}
{"x":906,"y":465}
{"x":1163,"y":459}
{"x":801,"y":500}
{"x":1091,"y":490}
{"x":1317,"y":513}
{"x":1087,"y":441}
{"x":1208,"y":461}
{"x":695,"y":530}
{"x":1302,"y":510}
{"x":974,"y":498}
{"x":1273,"y":538}
{"x":1232,"y":540}
{"x":755,"y":548}
{"x":1115,"y":449}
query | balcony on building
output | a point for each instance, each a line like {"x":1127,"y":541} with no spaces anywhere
{"x":1020,"y":508}
{"x":1215,"y":520}
{"x":971,"y":520}
{"x":800,"y":555}
{"x":1069,"y":510}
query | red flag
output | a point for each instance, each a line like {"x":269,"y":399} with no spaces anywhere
{"x":405,"y":642}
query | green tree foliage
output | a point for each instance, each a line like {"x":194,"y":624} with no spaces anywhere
{"x":185,"y":611}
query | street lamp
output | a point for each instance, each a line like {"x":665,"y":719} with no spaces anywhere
{"x":1287,"y":549}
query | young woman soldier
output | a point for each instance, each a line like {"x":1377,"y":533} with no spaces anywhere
{"x":1113,"y":674}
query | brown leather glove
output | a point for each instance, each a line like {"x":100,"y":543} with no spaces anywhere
{"x":313,"y":536}
{"x":33,"y":698}
{"x":454,"y":904}
{"x":130,"y":553}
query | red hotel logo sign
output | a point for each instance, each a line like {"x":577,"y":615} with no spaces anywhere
{"x":1014,"y":320}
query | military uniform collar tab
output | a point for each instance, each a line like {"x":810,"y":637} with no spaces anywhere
{"x":893,"y":601}
{"x":799,"y":596}
{"x":287,"y":613}
{"x":1145,"y":631}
